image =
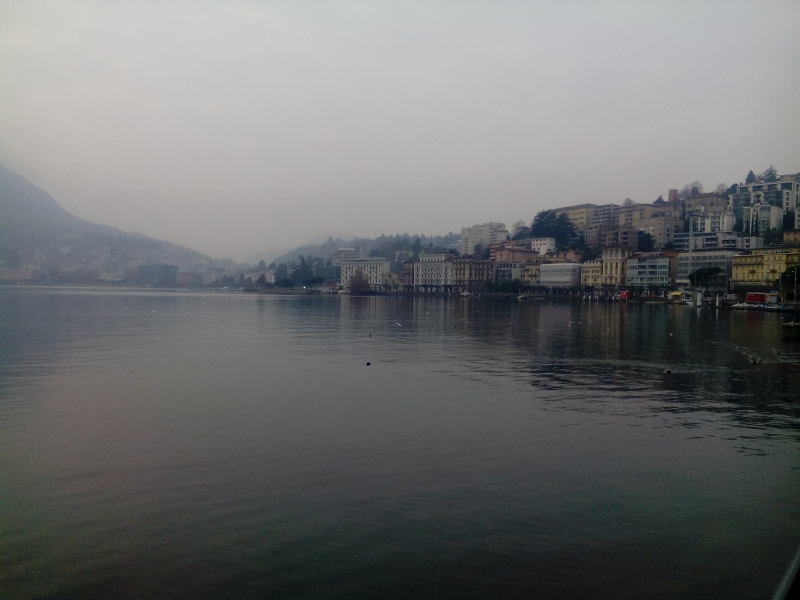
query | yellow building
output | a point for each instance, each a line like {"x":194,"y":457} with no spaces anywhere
{"x":763,"y":267}
{"x":791,"y":236}
{"x":581,"y":215}
{"x":592,"y":274}
{"x":531,"y":274}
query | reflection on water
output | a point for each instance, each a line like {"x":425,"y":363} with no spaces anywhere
{"x":230,"y":445}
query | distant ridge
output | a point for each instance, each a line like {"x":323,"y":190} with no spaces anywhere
{"x":35,"y":229}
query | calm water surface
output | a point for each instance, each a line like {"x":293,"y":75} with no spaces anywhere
{"x":236,"y":446}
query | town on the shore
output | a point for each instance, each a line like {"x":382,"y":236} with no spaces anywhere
{"x":728,"y":243}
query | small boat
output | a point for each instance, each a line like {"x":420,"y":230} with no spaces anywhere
{"x":742,"y":305}
{"x":465,"y":294}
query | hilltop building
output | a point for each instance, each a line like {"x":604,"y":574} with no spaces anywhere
{"x":484,"y":235}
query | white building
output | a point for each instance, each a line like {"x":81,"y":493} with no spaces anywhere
{"x":712,"y":221}
{"x":434,"y":272}
{"x":689,"y":262}
{"x":543,"y":245}
{"x":650,"y":270}
{"x":560,"y":275}
{"x":373,"y":269}
{"x":485,"y":235}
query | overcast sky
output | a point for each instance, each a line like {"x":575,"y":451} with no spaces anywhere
{"x":236,"y":127}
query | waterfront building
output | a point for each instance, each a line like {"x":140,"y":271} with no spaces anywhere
{"x":592,"y":274}
{"x":560,"y":275}
{"x":689,"y":262}
{"x":434,"y":272}
{"x":761,"y":269}
{"x":651,"y":271}
{"x":614,"y":266}
{"x":373,"y":269}
{"x":484,"y":235}
{"x":509,"y":271}
{"x":17,"y":275}
{"x":531,"y":274}
{"x":471,"y":274}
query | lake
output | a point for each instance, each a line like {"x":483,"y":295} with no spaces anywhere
{"x":229,"y":445}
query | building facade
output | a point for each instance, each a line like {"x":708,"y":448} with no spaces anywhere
{"x":592,"y":274}
{"x":484,"y":235}
{"x":373,"y":269}
{"x":434,"y":272}
{"x":761,"y":269}
{"x":560,"y":275}
{"x":689,"y":262}
{"x":651,"y":271}
{"x":615,"y":266}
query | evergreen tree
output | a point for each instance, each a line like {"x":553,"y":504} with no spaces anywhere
{"x":770,"y":175}
{"x":751,"y":177}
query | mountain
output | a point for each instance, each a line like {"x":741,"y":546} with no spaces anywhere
{"x":38,"y":234}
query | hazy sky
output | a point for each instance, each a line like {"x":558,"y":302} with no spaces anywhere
{"x":236,"y":127}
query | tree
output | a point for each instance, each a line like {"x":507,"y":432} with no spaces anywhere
{"x":646,"y":242}
{"x":691,"y":189}
{"x":721,"y":189}
{"x":547,"y":224}
{"x":790,"y":280}
{"x":314,"y":282}
{"x":731,"y":190}
{"x":703,"y":276}
{"x":284,"y":283}
{"x":659,"y":201}
{"x":302,"y":273}
{"x":416,"y":248}
{"x":261,"y":266}
{"x":669,"y":246}
{"x":282,"y":272}
{"x":770,"y":175}
{"x":359,"y":284}
{"x":272,"y":266}
{"x":628,"y":202}
{"x":751,"y":178}
{"x":772,"y":237}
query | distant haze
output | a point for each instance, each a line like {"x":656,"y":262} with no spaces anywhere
{"x":233,"y":127}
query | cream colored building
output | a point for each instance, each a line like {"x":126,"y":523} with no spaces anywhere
{"x":763,"y":267}
{"x":614,"y":266}
{"x":434,"y":272}
{"x":373,"y":269}
{"x":592,"y":274}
